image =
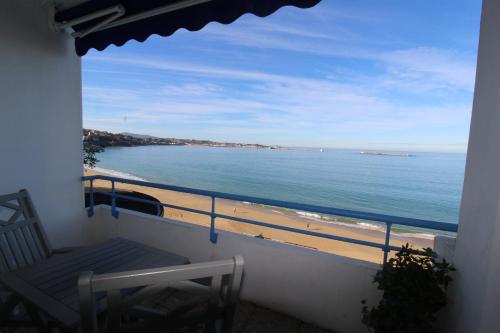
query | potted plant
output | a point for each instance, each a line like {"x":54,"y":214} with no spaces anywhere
{"x":414,"y":288}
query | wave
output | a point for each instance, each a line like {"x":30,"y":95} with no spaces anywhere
{"x":115,"y":173}
{"x":370,"y":226}
{"x":333,"y":220}
{"x":309,"y":215}
{"x":360,"y":225}
{"x":417,"y":235}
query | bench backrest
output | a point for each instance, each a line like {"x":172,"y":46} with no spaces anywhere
{"x":23,"y":241}
{"x":222,"y":292}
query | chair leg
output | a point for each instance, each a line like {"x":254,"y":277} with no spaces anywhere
{"x":13,"y":313}
{"x":227,"y":324}
{"x":8,"y":306}
{"x":213,"y":317}
{"x":68,"y":330}
{"x":40,"y":322}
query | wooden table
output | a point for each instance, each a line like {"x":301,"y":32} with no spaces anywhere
{"x":51,"y":285}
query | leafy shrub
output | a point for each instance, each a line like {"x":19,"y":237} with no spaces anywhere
{"x":89,"y":154}
{"x":414,"y":288}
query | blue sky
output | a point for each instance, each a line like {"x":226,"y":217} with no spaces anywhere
{"x":394,"y":75}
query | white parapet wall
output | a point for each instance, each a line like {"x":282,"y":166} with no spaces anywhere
{"x":444,"y":246}
{"x":319,"y":288}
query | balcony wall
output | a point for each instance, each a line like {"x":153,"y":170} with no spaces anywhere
{"x":476,"y":289}
{"x":316,"y":287}
{"x":41,"y":118}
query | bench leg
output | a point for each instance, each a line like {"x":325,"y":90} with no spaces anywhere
{"x":7,"y":306}
{"x":41,"y":323}
{"x":229,"y":313}
{"x":13,"y":313}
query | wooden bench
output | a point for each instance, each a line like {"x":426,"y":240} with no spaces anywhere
{"x":46,"y":284}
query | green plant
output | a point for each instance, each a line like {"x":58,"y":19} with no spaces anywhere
{"x":414,"y":287}
{"x":89,"y":154}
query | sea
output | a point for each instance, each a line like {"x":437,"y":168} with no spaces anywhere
{"x":410,"y":184}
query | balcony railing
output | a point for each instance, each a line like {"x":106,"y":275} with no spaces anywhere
{"x":388,"y":220}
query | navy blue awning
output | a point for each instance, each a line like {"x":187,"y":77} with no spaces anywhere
{"x":192,"y":18}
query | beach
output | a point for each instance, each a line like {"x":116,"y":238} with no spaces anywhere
{"x":298,"y":220}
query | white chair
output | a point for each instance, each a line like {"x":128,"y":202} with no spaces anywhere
{"x":210,"y":288}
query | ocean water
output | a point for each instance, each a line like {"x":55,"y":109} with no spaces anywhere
{"x":422,"y":185}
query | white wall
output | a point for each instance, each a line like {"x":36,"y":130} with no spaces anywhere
{"x":316,"y":287}
{"x":476,"y":290}
{"x":41,"y":118}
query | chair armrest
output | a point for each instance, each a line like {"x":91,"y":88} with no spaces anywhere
{"x":66,"y":249}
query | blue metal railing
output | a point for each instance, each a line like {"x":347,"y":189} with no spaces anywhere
{"x":388,"y":220}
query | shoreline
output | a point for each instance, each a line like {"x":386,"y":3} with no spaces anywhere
{"x":275,"y":215}
{"x":342,"y":222}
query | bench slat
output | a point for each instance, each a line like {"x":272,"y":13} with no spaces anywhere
{"x":7,"y":253}
{"x":24,"y":246}
{"x":35,"y":252}
{"x":16,"y":250}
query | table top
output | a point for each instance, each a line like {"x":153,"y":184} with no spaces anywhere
{"x":51,"y":285}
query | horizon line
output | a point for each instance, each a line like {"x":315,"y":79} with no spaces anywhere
{"x":360,"y":148}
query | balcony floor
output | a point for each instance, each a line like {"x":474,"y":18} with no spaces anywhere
{"x":249,"y":319}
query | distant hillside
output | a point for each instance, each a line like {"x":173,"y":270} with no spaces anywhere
{"x":107,"y":139}
{"x":139,"y":136}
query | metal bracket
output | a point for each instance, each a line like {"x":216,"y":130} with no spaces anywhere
{"x":109,"y":14}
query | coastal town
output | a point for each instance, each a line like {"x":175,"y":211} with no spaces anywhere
{"x":107,"y":139}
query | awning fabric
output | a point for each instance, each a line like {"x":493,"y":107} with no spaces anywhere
{"x":191,"y":18}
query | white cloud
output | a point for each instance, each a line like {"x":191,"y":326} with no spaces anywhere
{"x":190,"y":89}
{"x":431,"y":67}
{"x":272,"y":101}
{"x":318,"y":33}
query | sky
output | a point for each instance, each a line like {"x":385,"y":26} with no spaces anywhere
{"x":391,"y":75}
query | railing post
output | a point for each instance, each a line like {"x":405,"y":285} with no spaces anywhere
{"x":90,"y":211}
{"x":387,"y":240}
{"x":213,"y":234}
{"x":114,"y":211}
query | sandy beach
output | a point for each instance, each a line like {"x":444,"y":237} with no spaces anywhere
{"x":274,"y":216}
